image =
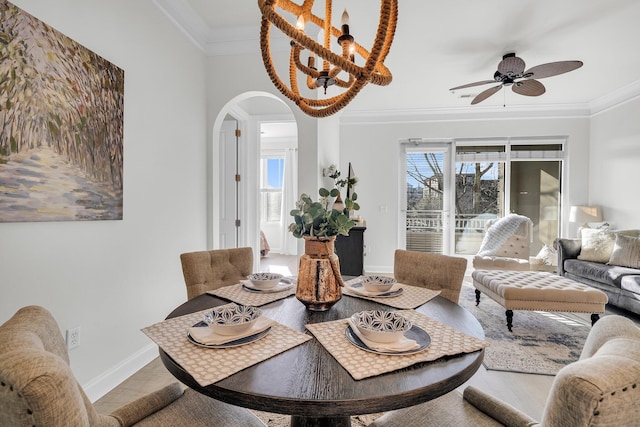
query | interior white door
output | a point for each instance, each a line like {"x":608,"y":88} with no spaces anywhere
{"x":229,"y":188}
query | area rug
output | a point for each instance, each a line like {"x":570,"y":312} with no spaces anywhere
{"x":541,"y":343}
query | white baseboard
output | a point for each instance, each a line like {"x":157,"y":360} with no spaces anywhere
{"x":105,"y":382}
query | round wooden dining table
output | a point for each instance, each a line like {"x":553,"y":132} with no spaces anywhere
{"x":310,"y":385}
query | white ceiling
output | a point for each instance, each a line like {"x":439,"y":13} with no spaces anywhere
{"x":442,"y":44}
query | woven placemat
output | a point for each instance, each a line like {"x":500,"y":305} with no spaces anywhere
{"x":237,"y":294}
{"x":445,"y":341}
{"x":207,"y":365}
{"x":411,"y":296}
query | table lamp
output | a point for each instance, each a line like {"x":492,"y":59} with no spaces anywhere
{"x":583,"y":215}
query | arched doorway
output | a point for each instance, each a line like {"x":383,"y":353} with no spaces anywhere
{"x":253,"y":131}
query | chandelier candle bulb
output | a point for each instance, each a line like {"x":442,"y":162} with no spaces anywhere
{"x":345,"y":22}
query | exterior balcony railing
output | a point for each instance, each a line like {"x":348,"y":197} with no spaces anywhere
{"x":425,"y":229}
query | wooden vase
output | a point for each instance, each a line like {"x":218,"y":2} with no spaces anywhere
{"x":319,"y":280}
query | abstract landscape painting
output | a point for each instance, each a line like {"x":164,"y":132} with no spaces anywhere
{"x":61,"y":125}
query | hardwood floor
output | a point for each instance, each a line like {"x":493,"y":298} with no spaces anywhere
{"x":525,"y":392}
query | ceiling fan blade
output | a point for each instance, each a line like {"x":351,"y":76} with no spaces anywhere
{"x":484,"y":82}
{"x":484,"y":95}
{"x":553,"y":69}
{"x":529,"y":87}
{"x":511,"y":65}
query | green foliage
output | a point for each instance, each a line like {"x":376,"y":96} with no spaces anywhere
{"x":323,"y":218}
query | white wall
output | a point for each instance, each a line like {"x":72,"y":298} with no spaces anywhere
{"x":112,"y":278}
{"x":614,"y":162}
{"x":374,"y":151}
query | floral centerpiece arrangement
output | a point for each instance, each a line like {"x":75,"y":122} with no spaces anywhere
{"x":329,"y":216}
{"x":318,"y":223}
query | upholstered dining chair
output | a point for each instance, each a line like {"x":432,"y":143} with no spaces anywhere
{"x":207,"y":270}
{"x":37,"y":387}
{"x":433,"y":271}
{"x":601,"y":389}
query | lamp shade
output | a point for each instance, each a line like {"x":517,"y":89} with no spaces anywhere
{"x":585,"y":214}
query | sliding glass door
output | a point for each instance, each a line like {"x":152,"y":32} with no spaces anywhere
{"x":479,"y":194}
{"x":535,"y":193}
{"x":451,"y":190}
{"x":427,"y":197}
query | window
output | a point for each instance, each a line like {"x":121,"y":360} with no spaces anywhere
{"x":451,"y":189}
{"x":271,"y":178}
{"x":516,"y":175}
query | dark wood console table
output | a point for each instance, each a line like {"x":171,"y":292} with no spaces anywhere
{"x":350,"y":250}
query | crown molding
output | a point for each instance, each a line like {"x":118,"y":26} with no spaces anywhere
{"x":597,"y":106}
{"x":465,"y":114}
{"x":217,"y":42}
{"x":186,"y":19}
{"x":615,"y":98}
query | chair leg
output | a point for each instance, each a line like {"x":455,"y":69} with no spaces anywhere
{"x":594,"y":318}
{"x":509,"y":314}
{"x":477,"y":297}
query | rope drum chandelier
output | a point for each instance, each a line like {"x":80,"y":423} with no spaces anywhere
{"x":331,"y":69}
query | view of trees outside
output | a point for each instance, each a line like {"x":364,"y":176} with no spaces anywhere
{"x":478,"y":193}
{"x":477,"y":185}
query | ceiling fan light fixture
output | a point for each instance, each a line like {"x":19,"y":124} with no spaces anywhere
{"x":333,"y":65}
{"x":511,"y":72}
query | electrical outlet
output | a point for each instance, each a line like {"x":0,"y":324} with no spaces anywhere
{"x":73,"y":337}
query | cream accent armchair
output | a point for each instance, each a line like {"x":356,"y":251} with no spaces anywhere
{"x":207,"y":270}
{"x":600,"y":389}
{"x":506,"y":244}
{"x":433,"y":271}
{"x":37,"y":387}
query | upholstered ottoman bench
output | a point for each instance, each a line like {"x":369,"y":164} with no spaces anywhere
{"x":540,"y":291}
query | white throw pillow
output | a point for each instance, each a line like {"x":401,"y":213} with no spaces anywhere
{"x":597,"y":245}
{"x":548,"y":256}
{"x":626,"y":252}
{"x":598,"y":225}
{"x":604,"y":225}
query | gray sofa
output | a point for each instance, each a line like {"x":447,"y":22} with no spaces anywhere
{"x":621,"y":283}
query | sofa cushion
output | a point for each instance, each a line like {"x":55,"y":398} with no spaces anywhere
{"x":597,"y":245}
{"x":631,"y":232}
{"x":626,"y":252}
{"x":631,"y":283}
{"x":603,"y":273}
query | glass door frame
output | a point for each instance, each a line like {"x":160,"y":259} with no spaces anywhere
{"x":447,"y":147}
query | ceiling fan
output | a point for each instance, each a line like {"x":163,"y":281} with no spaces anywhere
{"x":511,"y":73}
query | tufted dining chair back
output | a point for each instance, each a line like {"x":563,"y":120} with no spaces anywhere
{"x":208,"y":270}
{"x":38,"y":388}
{"x":433,"y":271}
